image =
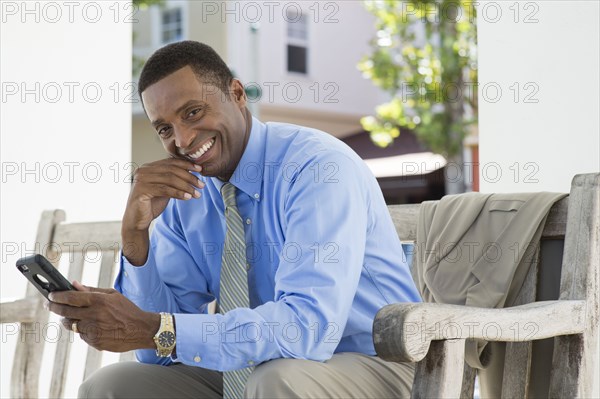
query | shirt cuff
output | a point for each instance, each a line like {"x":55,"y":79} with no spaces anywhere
{"x":138,"y":281}
{"x":198,"y":340}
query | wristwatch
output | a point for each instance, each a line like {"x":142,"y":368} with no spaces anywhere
{"x":165,"y":337}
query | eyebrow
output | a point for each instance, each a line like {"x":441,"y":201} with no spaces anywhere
{"x":178,"y":110}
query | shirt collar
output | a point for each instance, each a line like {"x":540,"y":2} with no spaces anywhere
{"x":248,"y":175}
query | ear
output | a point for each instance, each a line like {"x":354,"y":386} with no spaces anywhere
{"x":237,"y":92}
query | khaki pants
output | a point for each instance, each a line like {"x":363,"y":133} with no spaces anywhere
{"x":345,"y":375}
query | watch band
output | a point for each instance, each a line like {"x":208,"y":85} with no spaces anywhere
{"x":165,"y":337}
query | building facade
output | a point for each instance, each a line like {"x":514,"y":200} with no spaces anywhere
{"x":299,"y":57}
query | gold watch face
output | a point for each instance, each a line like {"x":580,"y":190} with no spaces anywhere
{"x":166,"y":339}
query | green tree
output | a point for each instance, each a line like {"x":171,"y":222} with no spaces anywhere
{"x":425,"y":56}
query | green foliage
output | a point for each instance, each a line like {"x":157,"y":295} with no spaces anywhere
{"x":146,"y":3}
{"x":424,"y":55}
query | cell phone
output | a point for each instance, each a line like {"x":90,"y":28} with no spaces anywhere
{"x":43,"y":275}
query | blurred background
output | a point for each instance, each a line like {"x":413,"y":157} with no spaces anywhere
{"x":436,"y":96}
{"x":326,"y":65}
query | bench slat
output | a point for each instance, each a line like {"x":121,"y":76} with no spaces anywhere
{"x":573,"y":359}
{"x":402,"y":332}
{"x":437,"y":375}
{"x":28,"y":353}
{"x":20,"y":311}
{"x":97,"y":235}
{"x":63,"y":346}
{"x":94,"y":356}
{"x":127,"y":356}
{"x":517,"y":360}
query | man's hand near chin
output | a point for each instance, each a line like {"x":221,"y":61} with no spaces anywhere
{"x":154,"y":184}
{"x":106,"y":320}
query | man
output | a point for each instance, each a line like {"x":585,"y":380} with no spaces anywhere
{"x":283,"y":225}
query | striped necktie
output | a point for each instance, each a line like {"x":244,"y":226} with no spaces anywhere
{"x":234,"y":282}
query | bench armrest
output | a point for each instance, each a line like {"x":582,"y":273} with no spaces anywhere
{"x":21,"y":311}
{"x":402,"y":332}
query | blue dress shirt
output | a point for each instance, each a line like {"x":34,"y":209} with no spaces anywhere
{"x":323,"y":257}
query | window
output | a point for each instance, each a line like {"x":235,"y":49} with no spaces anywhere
{"x":297,"y":35}
{"x":296,"y":59}
{"x":171,"y":25}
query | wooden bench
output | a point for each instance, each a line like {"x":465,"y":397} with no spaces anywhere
{"x":573,"y":318}
{"x":559,"y":298}
{"x":58,"y":239}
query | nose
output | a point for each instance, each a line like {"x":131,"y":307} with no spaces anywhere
{"x":183,"y":137}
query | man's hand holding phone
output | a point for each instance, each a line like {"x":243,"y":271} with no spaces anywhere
{"x":104,"y":318}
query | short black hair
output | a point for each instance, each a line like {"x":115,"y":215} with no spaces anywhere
{"x":207,"y":65}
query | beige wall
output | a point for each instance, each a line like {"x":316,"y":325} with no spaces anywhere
{"x":207,"y":29}
{"x":145,"y":144}
{"x":141,"y":28}
{"x":337,"y":124}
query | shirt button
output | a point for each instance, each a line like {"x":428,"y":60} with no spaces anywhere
{"x":126,"y":274}
{"x":248,"y":221}
{"x":197,"y":359}
{"x":256,"y":196}
{"x":247,"y":266}
{"x":250,"y":362}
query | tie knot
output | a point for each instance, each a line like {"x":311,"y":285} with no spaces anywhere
{"x":228,"y":193}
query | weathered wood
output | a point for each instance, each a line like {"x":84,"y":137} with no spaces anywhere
{"x":402,"y":332}
{"x":517,"y":358}
{"x":93,"y":359}
{"x":107,"y":268}
{"x":58,"y":240}
{"x":438,"y":375}
{"x":88,"y":236}
{"x":444,"y":365}
{"x":573,"y":352}
{"x":573,"y":359}
{"x":22,"y":310}
{"x":556,"y":223}
{"x":405,"y":219}
{"x":30,"y":347}
{"x":468,"y":381}
{"x":127,"y":356}
{"x":63,"y":346}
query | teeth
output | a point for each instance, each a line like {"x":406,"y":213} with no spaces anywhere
{"x":202,"y":149}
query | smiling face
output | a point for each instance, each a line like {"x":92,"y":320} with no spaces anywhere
{"x":198,"y":122}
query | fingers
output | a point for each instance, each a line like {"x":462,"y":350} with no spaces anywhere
{"x":179,"y":162}
{"x":167,"y":178}
{"x":102,"y":336}
{"x":84,"y":296}
{"x":89,"y":332}
{"x":169,"y":168}
{"x":166,"y":173}
{"x":68,"y":324}
{"x":172,"y":189}
{"x":102,"y":290}
{"x":154,"y":184}
{"x":69,"y":312}
{"x":73,"y":298}
{"x":81,"y":287}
